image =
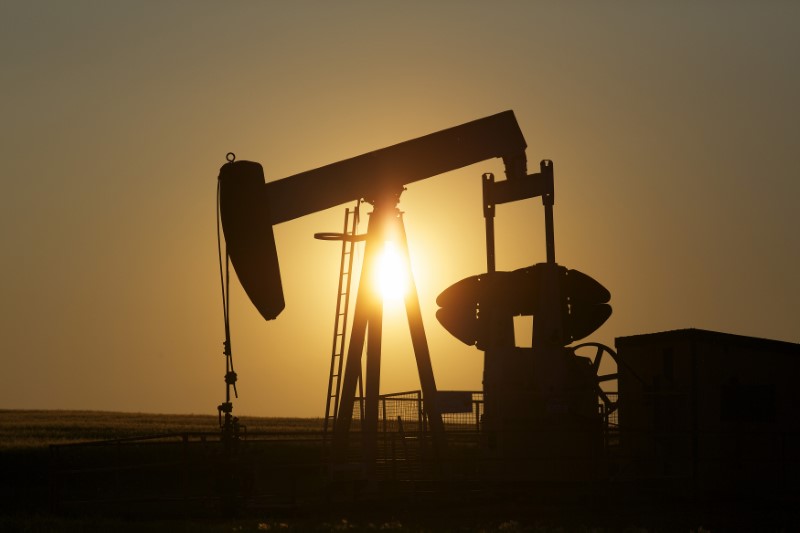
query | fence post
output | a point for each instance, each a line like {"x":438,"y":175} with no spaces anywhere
{"x":185,"y":466}
{"x":383,"y":413}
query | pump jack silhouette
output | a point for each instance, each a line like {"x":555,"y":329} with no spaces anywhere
{"x":249,"y":208}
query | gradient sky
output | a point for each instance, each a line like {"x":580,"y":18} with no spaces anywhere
{"x":674,"y":128}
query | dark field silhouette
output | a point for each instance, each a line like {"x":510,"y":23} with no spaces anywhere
{"x":27,"y":463}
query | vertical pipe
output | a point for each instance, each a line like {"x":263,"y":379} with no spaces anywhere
{"x":488,"y":215}
{"x":548,"y":200}
{"x":548,"y":228}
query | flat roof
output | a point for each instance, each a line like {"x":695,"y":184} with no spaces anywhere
{"x":702,"y":335}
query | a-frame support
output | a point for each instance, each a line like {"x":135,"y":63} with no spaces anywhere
{"x":385,"y":223}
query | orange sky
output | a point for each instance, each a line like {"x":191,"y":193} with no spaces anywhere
{"x":673,"y":129}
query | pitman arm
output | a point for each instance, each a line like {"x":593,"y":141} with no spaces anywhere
{"x":249,"y":207}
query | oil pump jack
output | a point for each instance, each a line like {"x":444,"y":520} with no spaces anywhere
{"x":479,"y":310}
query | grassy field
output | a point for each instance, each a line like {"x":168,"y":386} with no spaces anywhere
{"x":20,"y":430}
{"x":26,"y":437}
{"x":26,"y":489}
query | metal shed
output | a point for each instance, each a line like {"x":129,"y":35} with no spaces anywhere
{"x":712,"y":412}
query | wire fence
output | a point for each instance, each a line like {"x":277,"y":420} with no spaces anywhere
{"x":404,"y":412}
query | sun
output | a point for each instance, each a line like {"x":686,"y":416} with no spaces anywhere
{"x":391,"y":277}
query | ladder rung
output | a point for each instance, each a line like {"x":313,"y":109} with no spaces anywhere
{"x":345,"y":273}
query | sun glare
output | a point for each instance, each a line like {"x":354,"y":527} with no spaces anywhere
{"x":391,"y":274}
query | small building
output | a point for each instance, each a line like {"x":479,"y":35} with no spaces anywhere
{"x":711,"y":412}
